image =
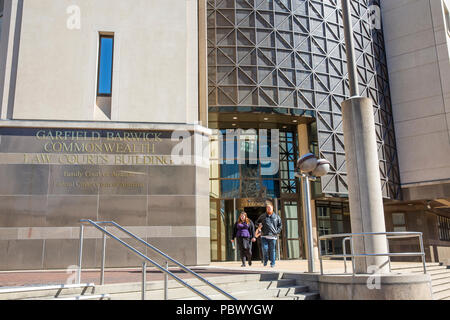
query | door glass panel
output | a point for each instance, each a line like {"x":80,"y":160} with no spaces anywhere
{"x":292,"y":229}
{"x":293,"y":249}
{"x":291,"y":211}
{"x":213,"y":229}
{"x":214,"y":250}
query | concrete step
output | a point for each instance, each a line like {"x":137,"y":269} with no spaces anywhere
{"x":78,"y":297}
{"x":436,"y":282}
{"x":284,"y":283}
{"x":441,"y":287}
{"x":413,"y":266}
{"x":42,"y":291}
{"x":430,"y":272}
{"x":302,"y":296}
{"x":270,"y":294}
{"x":180,"y":292}
{"x":419,"y":269}
{"x":286,"y":291}
{"x":439,"y":277}
{"x":443,"y":295}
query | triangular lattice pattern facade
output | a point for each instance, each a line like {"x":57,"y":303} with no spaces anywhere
{"x":290,"y":55}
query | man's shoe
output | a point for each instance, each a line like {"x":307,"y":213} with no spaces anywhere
{"x":265,"y":264}
{"x":272,"y":266}
{"x":243,"y":265}
{"x":249,"y":263}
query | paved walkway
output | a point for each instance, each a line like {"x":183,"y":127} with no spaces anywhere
{"x":215,"y":269}
{"x":329,"y":266}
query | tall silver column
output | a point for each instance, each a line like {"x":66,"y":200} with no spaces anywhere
{"x":309,"y":233}
{"x":365,"y":196}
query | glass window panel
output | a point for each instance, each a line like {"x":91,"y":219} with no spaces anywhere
{"x":229,"y":171}
{"x":291,"y":211}
{"x":323,"y":212}
{"x":292,"y":229}
{"x":337,"y":227}
{"x":293,"y":249}
{"x":214,"y":256}
{"x":398,"y":219}
{"x":251,"y":189}
{"x":214,"y":188}
{"x":214,"y":169}
{"x":230,"y":188}
{"x":229,"y":149}
{"x":250,"y":170}
{"x":213,"y":229}
{"x":399,"y":229}
{"x":270,"y":169}
{"x":272,"y":188}
{"x":105,"y":65}
{"x":213,"y":210}
{"x":214,"y":149}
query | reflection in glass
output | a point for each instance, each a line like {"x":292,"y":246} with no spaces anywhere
{"x":230,"y":188}
{"x":229,"y":171}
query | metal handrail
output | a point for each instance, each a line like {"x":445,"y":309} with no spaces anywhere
{"x":389,"y":235}
{"x":145,"y":258}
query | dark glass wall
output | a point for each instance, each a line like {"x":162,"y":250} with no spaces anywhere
{"x":288,"y":57}
{"x":234,"y":177}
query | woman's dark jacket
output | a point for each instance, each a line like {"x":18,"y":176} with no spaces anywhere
{"x":251,"y":230}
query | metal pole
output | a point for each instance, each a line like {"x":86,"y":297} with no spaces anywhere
{"x":102,"y":274}
{"x":309,"y":233}
{"x":344,"y":250}
{"x":166,"y":279}
{"x":350,"y":48}
{"x":80,"y":254}
{"x":352,"y":252}
{"x":320,"y":256}
{"x":423,"y":254}
{"x":389,"y":257}
{"x":144,"y":279}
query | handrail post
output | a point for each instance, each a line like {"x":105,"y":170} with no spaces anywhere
{"x":166,"y":281}
{"x":423,"y":253}
{"x":352,"y":253}
{"x":344,"y":250}
{"x":320,"y":256}
{"x":159,"y":267}
{"x":102,"y":274}
{"x":144,"y":279}
{"x":80,"y":254}
{"x":388,"y":251}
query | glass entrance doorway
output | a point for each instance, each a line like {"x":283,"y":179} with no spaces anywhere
{"x":224,"y":214}
{"x":253,"y":214}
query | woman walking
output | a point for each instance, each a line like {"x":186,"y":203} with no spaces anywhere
{"x":244,"y":232}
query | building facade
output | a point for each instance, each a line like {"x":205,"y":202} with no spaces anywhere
{"x":94,"y":97}
{"x":418,"y":56}
{"x":98,"y":100}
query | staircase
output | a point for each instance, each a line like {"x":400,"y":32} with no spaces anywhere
{"x":440,"y":278}
{"x":52,"y":292}
{"x":265,"y":286}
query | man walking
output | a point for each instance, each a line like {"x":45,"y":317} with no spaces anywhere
{"x":271,"y":227}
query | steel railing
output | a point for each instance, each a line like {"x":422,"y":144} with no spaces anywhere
{"x":146,"y":259}
{"x":389,"y":235}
